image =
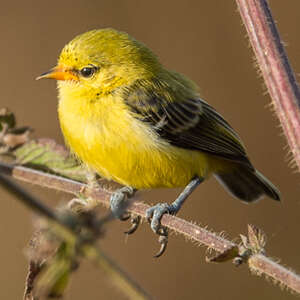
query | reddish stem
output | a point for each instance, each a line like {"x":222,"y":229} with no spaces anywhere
{"x":261,"y":264}
{"x":275,"y":67}
{"x":257,"y":262}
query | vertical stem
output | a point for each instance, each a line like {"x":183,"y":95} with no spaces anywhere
{"x":275,"y":67}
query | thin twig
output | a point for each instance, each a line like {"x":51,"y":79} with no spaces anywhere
{"x":260,"y":263}
{"x":192,"y":231}
{"x":275,"y":67}
{"x":64,"y":226}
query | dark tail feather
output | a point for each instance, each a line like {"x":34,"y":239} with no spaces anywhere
{"x":248,"y":185}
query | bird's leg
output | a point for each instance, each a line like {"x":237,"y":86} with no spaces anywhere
{"x":118,"y":205}
{"x":117,"y":201}
{"x":155,"y":213}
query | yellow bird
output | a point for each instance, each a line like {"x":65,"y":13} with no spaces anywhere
{"x":133,"y":121}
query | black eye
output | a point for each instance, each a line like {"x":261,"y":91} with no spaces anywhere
{"x":88,"y":71}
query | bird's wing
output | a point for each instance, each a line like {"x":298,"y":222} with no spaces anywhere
{"x":190,"y":124}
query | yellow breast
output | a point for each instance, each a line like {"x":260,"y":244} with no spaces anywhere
{"x":106,"y":136}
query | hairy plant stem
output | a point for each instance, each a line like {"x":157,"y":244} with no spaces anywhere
{"x":275,"y":67}
{"x":64,"y":227}
{"x":259,"y":263}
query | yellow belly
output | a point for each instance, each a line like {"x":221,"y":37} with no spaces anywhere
{"x":105,"y":136}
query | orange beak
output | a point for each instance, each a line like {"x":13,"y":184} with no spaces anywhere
{"x":59,"y":73}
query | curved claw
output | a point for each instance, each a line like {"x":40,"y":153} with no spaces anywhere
{"x":125,"y":217}
{"x":135,"y":221}
{"x":163,"y":240}
{"x":154,"y":215}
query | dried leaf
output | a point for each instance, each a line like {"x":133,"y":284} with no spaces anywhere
{"x":257,"y":239}
{"x":226,"y":255}
{"x":11,"y":136}
{"x":245,"y":241}
{"x":7,"y":119}
{"x":33,"y":271}
{"x":13,"y":140}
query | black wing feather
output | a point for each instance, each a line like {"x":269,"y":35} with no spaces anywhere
{"x":190,"y":124}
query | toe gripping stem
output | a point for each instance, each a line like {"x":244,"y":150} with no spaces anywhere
{"x":155,"y":213}
{"x":118,"y":206}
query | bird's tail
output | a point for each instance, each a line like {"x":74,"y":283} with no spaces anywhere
{"x":248,"y":185}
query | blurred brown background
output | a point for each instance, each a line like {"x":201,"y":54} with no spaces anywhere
{"x":206,"y":41}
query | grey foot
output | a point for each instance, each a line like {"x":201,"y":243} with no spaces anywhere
{"x":155,"y":213}
{"x":118,"y":202}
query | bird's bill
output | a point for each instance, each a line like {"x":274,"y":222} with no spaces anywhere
{"x":59,"y":73}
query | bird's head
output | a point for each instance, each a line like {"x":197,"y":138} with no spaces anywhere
{"x":100,"y":61}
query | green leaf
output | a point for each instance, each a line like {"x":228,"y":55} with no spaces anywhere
{"x":47,"y":155}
